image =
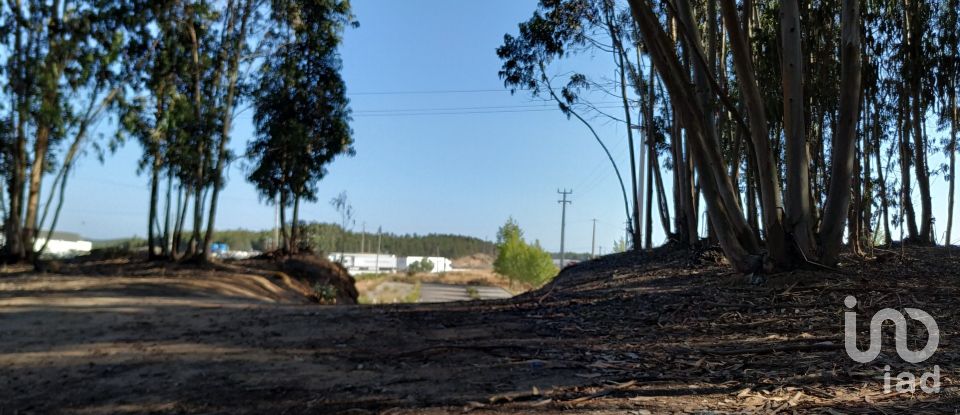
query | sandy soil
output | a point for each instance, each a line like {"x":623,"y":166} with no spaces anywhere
{"x":666,"y":333}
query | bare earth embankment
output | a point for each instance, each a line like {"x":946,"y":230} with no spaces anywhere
{"x":670,"y":332}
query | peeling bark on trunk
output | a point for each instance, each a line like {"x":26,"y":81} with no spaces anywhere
{"x":953,"y":160}
{"x":844,"y":141}
{"x":735,"y":236}
{"x":152,"y":215}
{"x":799,"y":211}
{"x":226,"y":121}
{"x":295,"y":226}
{"x":767,"y":173}
{"x":906,"y":160}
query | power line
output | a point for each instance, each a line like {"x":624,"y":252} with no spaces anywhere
{"x":404,"y":114}
{"x":430,"y":92}
{"x":549,"y":104}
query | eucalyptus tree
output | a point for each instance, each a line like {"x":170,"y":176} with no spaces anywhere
{"x":61,"y":61}
{"x":947,"y":85}
{"x":562,"y":28}
{"x":302,"y":114}
{"x":240,"y":18}
{"x":789,"y":239}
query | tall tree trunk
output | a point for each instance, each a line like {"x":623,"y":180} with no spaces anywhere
{"x":923,"y":174}
{"x":914,"y":24}
{"x":952,"y":148}
{"x":283,"y":223}
{"x":193,"y":247}
{"x":651,"y":136}
{"x":854,"y":221}
{"x":197,"y":97}
{"x":16,"y":158}
{"x":648,"y":229}
{"x":15,"y":244}
{"x":295,"y":226}
{"x":152,"y":215}
{"x":227,"y":118}
{"x":752,"y":199}
{"x":662,"y":205}
{"x":844,"y":141}
{"x":881,"y":181}
{"x":799,"y":211}
{"x":735,"y":236}
{"x":49,"y":88}
{"x":767,"y":172}
{"x":621,"y":73}
{"x":167,"y":242}
{"x":181,"y":220}
{"x":40,"y":147}
{"x":866,"y":218}
{"x":906,"y":159}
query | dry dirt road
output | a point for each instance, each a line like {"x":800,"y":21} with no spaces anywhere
{"x":666,"y":333}
{"x":439,"y":293}
{"x":111,"y":345}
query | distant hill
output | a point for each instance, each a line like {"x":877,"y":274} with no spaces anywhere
{"x":325,"y":237}
{"x":124,"y":243}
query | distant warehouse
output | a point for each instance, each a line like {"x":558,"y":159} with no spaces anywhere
{"x":62,"y":244}
{"x":440,"y":264}
{"x":365,"y":263}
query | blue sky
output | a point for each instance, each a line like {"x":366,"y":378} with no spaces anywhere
{"x":417,"y":171}
{"x":462,"y":173}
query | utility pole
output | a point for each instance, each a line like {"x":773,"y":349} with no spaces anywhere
{"x":563,"y":221}
{"x":593,"y":240}
{"x":363,"y":237}
{"x":379,"y":234}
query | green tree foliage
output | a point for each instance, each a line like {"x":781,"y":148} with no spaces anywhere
{"x":619,"y":245}
{"x":302,"y":112}
{"x":520,"y":261}
{"x":62,"y":74}
{"x":424,"y":265}
{"x":191,"y":82}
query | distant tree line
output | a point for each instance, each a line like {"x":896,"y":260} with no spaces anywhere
{"x":326,"y":238}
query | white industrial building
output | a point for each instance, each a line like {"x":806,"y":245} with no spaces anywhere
{"x":440,"y":264}
{"x":365,"y":263}
{"x":62,"y":244}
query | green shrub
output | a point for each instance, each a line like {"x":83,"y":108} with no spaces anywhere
{"x":325,"y":293}
{"x":520,"y":261}
{"x":420,"y":267}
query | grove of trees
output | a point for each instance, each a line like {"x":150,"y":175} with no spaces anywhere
{"x":795,"y":126}
{"x":172,"y":75}
{"x":326,"y":238}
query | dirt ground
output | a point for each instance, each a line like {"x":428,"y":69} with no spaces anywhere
{"x":400,"y":287}
{"x":668,"y":332}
